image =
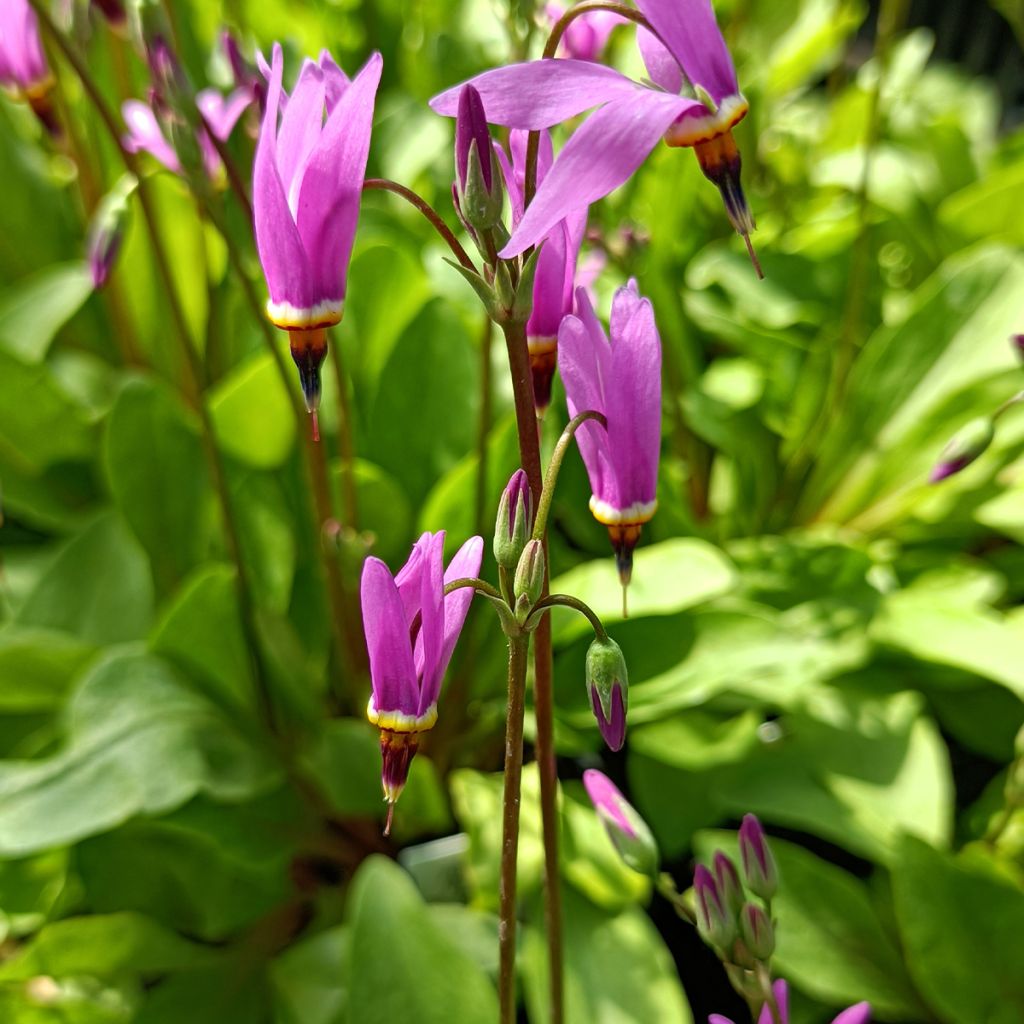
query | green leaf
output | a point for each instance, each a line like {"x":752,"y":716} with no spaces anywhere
{"x":308,"y":980}
{"x":98,"y":587}
{"x":252,"y":413}
{"x":832,"y":941}
{"x":384,"y":509}
{"x":104,"y":945}
{"x":40,"y":423}
{"x":987,"y":209}
{"x":158,"y":478}
{"x":138,"y":742}
{"x":35,"y":308}
{"x":667,"y":578}
{"x":37,"y":668}
{"x":402,"y":966}
{"x":961,"y":929}
{"x":617,"y":969}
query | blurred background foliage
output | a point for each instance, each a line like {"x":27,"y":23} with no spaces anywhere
{"x":816,"y":634}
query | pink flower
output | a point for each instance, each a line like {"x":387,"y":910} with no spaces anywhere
{"x":587,"y":35}
{"x":23,"y":66}
{"x":860,"y":1013}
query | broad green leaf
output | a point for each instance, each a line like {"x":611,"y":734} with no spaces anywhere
{"x":158,"y":477}
{"x":104,"y":945}
{"x":252,"y":413}
{"x":475,"y":931}
{"x":402,"y":966}
{"x":201,"y":630}
{"x":987,"y":209}
{"x":98,"y":587}
{"x":138,"y":742}
{"x":35,"y":308}
{"x":960,"y":925}
{"x":617,"y":969}
{"x":37,"y":668}
{"x":832,"y":940}
{"x":30,"y":891}
{"x":235,"y":991}
{"x":972,"y":639}
{"x":40,"y":423}
{"x":309,"y":980}
{"x":667,"y":578}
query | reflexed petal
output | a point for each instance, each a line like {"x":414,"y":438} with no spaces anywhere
{"x":284,"y":260}
{"x":858,"y":1014}
{"x":301,"y":125}
{"x":335,"y":80}
{"x":602,"y":153}
{"x":387,"y":641}
{"x":145,"y":134}
{"x":466,"y":562}
{"x":332,"y":184}
{"x":690,"y":31}
{"x":430,"y":638}
{"x":634,"y":398}
{"x":540,"y":93}
{"x":221,"y":113}
{"x":663,"y":68}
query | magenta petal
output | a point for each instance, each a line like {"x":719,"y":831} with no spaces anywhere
{"x":465,"y":563}
{"x":301,"y":125}
{"x":285,"y":264}
{"x":605,"y":796}
{"x":540,"y":93}
{"x":551,"y":302}
{"x":690,"y":31}
{"x":663,"y":68}
{"x":387,"y":641}
{"x":857,"y":1014}
{"x":221,"y":113}
{"x":335,"y":80}
{"x":145,"y":134}
{"x":430,"y":638}
{"x":332,"y":184}
{"x":602,"y":153}
{"x":781,"y":990}
{"x":634,"y":398}
{"x":717,"y":1018}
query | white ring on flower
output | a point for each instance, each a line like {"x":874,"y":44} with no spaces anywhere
{"x":297,"y":318}
{"x":692,"y":130}
{"x":396,"y":721}
{"x":541,"y":344}
{"x":609,"y":515}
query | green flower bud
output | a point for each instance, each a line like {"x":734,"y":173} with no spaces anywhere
{"x":515,"y":521}
{"x":608,"y":687}
{"x":757,"y":932}
{"x":529,"y":579}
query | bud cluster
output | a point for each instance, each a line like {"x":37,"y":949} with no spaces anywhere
{"x":733,"y":909}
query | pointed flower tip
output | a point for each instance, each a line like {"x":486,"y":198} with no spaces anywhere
{"x":390,"y":818}
{"x":316,"y":425}
{"x":753,"y":257}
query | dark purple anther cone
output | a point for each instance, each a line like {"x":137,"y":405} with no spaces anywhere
{"x":471,"y":126}
{"x":397,"y":750}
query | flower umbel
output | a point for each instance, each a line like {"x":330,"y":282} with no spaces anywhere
{"x":307,"y":182}
{"x":411,"y":629}
{"x":631,"y":117}
{"x":620,"y":378}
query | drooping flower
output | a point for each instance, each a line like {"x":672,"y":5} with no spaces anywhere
{"x":860,"y":1013}
{"x":609,"y":146}
{"x":23,"y":67}
{"x":626,"y":829}
{"x":219,"y":114}
{"x":411,"y":629}
{"x":307,"y":183}
{"x":556,"y":265}
{"x":621,"y":379}
{"x":608,"y":689}
{"x":586,"y":35}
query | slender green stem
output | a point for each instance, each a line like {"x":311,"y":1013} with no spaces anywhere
{"x":483,"y":426}
{"x":568,"y":601}
{"x":193,"y":381}
{"x":554,"y":38}
{"x":667,"y":887}
{"x":517,"y":653}
{"x":768,"y":993}
{"x":482,"y":586}
{"x":346,"y":441}
{"x":543,"y":684}
{"x":386,"y":185}
{"x":1008,"y":404}
{"x":540,"y":524}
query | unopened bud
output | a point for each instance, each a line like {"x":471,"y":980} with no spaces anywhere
{"x":626,"y":829}
{"x":107,"y":230}
{"x":528,"y":585}
{"x":757,"y":932}
{"x":608,"y":687}
{"x":477,"y":185}
{"x":717,"y":928}
{"x":963,"y":448}
{"x":728,"y":881}
{"x":1017,"y":340}
{"x":515,"y":521}
{"x":760,"y":875}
